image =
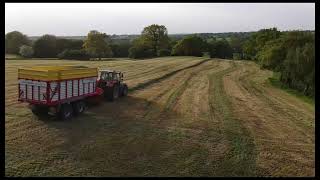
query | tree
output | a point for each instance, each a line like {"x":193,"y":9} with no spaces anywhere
{"x":70,"y":44}
{"x":265,"y":35}
{"x":236,"y":44}
{"x":172,"y":43}
{"x":26,"y":51}
{"x":249,"y":49}
{"x":164,"y":52}
{"x":45,"y":47}
{"x":153,"y":38}
{"x":141,"y":49}
{"x":271,"y":56}
{"x":120,"y":49}
{"x":98,"y":45}
{"x":74,"y":54}
{"x":308,"y":69}
{"x":299,"y":68}
{"x":258,"y":40}
{"x":220,"y":49}
{"x":190,"y":46}
{"x":157,"y":36}
{"x":14,"y":40}
{"x":292,"y":54}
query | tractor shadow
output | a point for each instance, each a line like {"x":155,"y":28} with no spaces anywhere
{"x":122,"y":115}
{"x":118,"y":138}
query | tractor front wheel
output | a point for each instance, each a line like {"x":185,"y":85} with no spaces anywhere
{"x":125,"y":90}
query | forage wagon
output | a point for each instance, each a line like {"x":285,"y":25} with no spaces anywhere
{"x":64,"y":91}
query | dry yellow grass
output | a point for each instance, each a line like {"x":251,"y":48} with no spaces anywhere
{"x":184,"y":116}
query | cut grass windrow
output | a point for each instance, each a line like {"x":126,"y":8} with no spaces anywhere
{"x":260,"y":93}
{"x":173,"y":98}
{"x":156,"y":80}
{"x":240,"y":160}
{"x":284,"y":118}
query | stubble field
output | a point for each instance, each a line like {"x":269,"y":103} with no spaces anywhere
{"x":184,"y":116}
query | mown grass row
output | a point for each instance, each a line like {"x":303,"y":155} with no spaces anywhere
{"x":241,"y":158}
{"x":283,"y":117}
{"x":161,"y":78}
{"x":256,"y":89}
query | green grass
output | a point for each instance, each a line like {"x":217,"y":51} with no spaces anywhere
{"x":275,"y":81}
{"x":12,"y":56}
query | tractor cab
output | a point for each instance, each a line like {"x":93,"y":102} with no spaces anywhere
{"x":110,"y":75}
{"x":112,"y":84}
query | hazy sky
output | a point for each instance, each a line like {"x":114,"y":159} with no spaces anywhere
{"x":66,"y":19}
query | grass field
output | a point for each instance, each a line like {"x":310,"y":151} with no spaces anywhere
{"x":184,"y":116}
{"x":12,"y":56}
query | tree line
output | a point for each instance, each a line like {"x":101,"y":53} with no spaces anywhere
{"x":153,"y":42}
{"x":96,"y":45}
{"x":291,"y":54}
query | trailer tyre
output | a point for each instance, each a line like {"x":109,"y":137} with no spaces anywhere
{"x":39,"y":110}
{"x":79,"y":107}
{"x":66,"y":112}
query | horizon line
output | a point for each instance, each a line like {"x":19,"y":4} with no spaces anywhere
{"x":171,"y":33}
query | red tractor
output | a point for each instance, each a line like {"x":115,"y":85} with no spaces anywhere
{"x":112,"y":84}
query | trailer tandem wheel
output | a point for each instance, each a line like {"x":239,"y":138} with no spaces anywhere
{"x":78,"y":107}
{"x":65,"y":112}
{"x":39,"y":110}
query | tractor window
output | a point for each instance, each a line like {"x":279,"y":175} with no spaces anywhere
{"x":106,"y":76}
{"x":116,"y":77}
{"x":103,"y":76}
{"x":110,"y":77}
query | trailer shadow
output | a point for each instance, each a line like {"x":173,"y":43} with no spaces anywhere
{"x":120,"y":139}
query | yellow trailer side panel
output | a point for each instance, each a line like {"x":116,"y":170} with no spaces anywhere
{"x":51,"y":73}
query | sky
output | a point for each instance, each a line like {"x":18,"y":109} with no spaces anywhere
{"x":77,"y":19}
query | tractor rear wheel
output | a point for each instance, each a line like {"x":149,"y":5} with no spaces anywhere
{"x":115,"y":92}
{"x":106,"y":93}
{"x":112,"y":93}
{"x":65,"y":112}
